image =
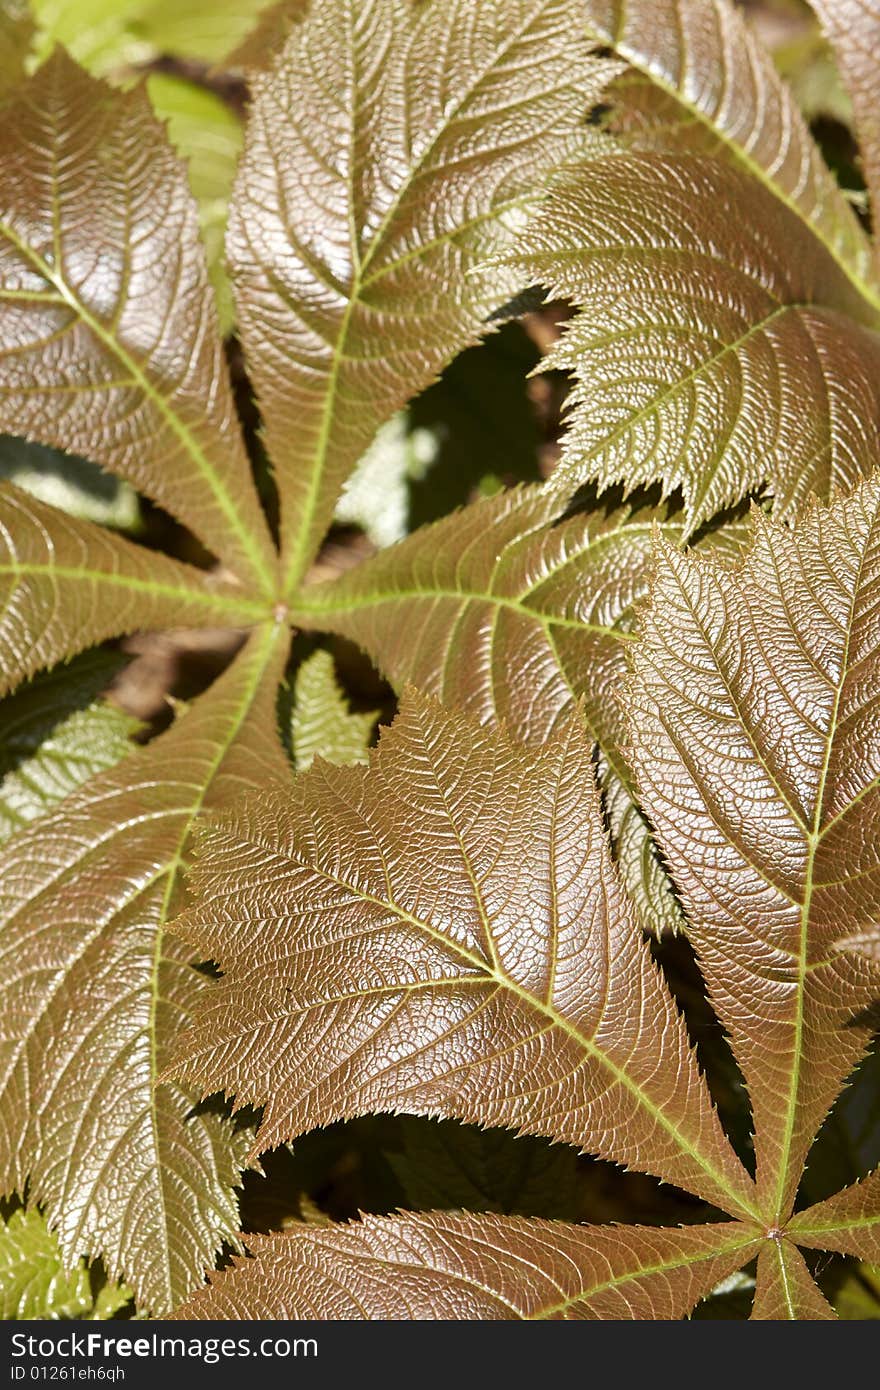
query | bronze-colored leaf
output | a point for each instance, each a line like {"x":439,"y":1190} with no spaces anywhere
{"x":785,"y":1288}
{"x":94,"y":991}
{"x":848,"y":1222}
{"x":853,"y":26}
{"x":66,"y":585}
{"x":391,"y":149}
{"x":444,"y":933}
{"x":512,"y":613}
{"x":109,"y":345}
{"x":717,"y":90}
{"x":715,"y":351}
{"x":475,"y":1267}
{"x":503,"y":609}
{"x":754,"y":728}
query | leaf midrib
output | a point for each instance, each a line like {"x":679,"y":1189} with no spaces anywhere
{"x":746,"y":1239}
{"x":813,"y":840}
{"x":296,"y":556}
{"x":869,"y":295}
{"x":267,"y":639}
{"x":492,"y":975}
{"x":302,"y":608}
{"x":228,"y":605}
{"x":190,"y":444}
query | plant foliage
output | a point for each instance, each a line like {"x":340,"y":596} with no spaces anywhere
{"x":609,"y":877}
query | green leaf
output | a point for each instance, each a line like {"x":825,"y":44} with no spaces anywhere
{"x":208,"y":135}
{"x":391,"y":149}
{"x":259,"y":47}
{"x":73,"y":485}
{"x":34,"y":1282}
{"x":79,"y":747}
{"x":112,"y":37}
{"x":857,"y":1296}
{"x":322,"y":724}
{"x":16,"y":37}
{"x":30,"y":715}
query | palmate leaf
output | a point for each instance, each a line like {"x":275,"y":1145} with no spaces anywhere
{"x":476,"y":1267}
{"x":93,"y":991}
{"x":714,"y":352}
{"x":511,"y":613}
{"x":443,"y":933}
{"x":109,"y":344}
{"x":754,"y":737}
{"x":853,"y":26}
{"x":502,"y":608}
{"x":66,"y":585}
{"x":391,"y":149}
{"x":415,"y":936}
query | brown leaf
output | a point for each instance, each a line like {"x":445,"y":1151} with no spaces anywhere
{"x":391,"y":149}
{"x":717,"y":91}
{"x":484,"y":1268}
{"x":513,"y":614}
{"x":109,"y":345}
{"x":848,"y":1222}
{"x":444,"y":933}
{"x":94,"y":991}
{"x":715,"y":351}
{"x":754,"y":726}
{"x":66,"y":585}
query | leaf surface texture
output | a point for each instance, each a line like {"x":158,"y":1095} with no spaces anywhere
{"x":109,"y":344}
{"x":475,"y":1267}
{"x":66,"y":585}
{"x":753,"y":717}
{"x":715,"y":352}
{"x":392,"y":149}
{"x":444,"y":933}
{"x":94,"y":991}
